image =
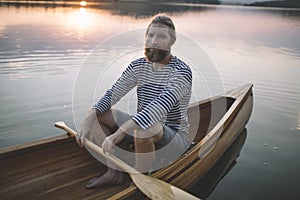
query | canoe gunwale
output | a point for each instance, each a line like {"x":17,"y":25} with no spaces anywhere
{"x":28,"y":147}
{"x":172,"y":172}
{"x":226,"y":119}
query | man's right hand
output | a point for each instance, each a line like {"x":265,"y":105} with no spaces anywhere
{"x":81,"y":133}
{"x":85,"y":127}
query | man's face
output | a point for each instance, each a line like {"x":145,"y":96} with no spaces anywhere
{"x":158,"y":42}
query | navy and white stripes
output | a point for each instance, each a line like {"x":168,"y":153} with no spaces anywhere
{"x":163,"y":95}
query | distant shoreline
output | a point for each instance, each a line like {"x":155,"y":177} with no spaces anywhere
{"x":272,"y":4}
{"x":282,"y":4}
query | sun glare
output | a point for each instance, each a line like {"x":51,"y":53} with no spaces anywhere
{"x":82,"y":18}
{"x":83,"y":3}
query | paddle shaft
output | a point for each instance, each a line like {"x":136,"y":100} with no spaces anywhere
{"x":100,"y":151}
{"x":152,"y":187}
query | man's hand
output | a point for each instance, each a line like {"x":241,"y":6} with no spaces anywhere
{"x":112,"y":140}
{"x":81,"y":133}
{"x":85,"y":127}
{"x":118,"y":136}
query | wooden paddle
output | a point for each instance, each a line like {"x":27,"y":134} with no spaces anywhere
{"x":150,"y":186}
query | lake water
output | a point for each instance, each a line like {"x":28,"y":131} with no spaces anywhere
{"x":42,"y":49}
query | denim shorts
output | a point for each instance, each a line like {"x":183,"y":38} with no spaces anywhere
{"x":178,"y":140}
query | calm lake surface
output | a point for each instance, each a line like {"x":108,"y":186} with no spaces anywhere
{"x":42,"y":50}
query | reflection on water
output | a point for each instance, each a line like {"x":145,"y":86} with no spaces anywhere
{"x":298,"y":126}
{"x":208,"y":183}
{"x":42,"y":49}
{"x":82,"y":19}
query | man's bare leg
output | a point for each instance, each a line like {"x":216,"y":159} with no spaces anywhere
{"x":112,"y":176}
{"x":145,"y":147}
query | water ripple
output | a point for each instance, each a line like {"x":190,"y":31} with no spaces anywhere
{"x":42,"y":62}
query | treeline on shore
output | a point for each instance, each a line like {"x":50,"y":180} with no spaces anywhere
{"x":171,"y":1}
{"x":283,"y":3}
{"x":192,"y":1}
{"x":267,"y":3}
{"x":153,"y":1}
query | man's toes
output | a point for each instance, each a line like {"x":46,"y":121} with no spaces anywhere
{"x":92,"y":183}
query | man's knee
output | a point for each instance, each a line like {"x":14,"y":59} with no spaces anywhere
{"x":143,"y":141}
{"x":105,"y":116}
{"x":107,"y":119}
{"x":149,"y":136}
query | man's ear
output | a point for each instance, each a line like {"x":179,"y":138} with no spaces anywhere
{"x":173,"y":40}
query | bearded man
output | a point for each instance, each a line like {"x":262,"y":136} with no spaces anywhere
{"x":163,"y":83}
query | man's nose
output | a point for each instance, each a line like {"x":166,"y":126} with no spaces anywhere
{"x":153,"y":42}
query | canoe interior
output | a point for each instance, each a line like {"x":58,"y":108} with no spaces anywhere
{"x":205,"y":116}
{"x":59,"y":169}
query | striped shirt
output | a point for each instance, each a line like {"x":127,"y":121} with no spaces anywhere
{"x":162,"y":95}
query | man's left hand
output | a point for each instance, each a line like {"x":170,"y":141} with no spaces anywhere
{"x":111,"y":141}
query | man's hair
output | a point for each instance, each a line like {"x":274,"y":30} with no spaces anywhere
{"x":164,"y":20}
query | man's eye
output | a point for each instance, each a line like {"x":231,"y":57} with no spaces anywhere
{"x":161,"y":36}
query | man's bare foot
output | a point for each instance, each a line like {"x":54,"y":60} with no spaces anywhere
{"x":114,"y":178}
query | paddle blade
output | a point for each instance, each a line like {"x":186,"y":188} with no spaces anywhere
{"x":159,"y":190}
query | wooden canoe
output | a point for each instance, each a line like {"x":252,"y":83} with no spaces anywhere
{"x":56,"y":168}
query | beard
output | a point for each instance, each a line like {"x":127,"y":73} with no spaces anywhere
{"x":156,"y":55}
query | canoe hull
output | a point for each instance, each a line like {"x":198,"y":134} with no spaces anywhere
{"x":57,"y":168}
{"x":192,"y":175}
